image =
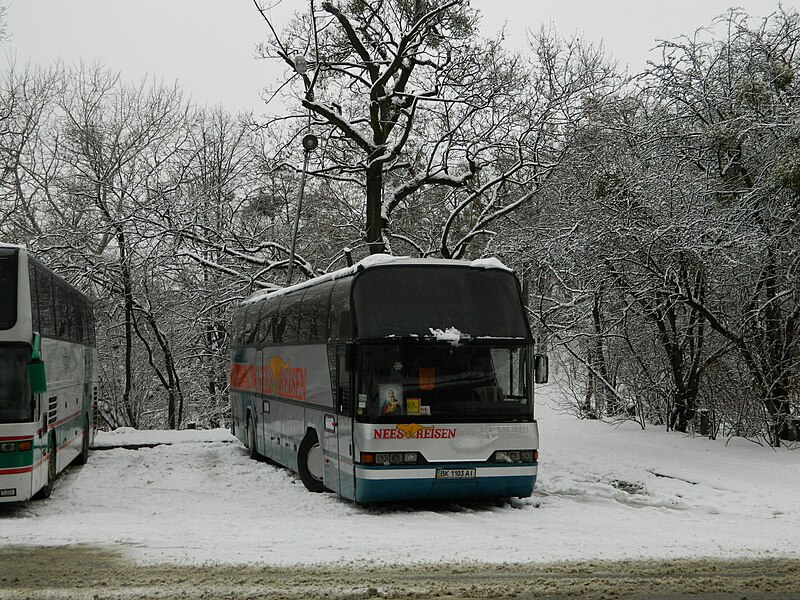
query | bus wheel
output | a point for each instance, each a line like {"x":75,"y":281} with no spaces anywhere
{"x":52,"y":471}
{"x":309,"y":463}
{"x":83,"y":457}
{"x":251,"y":439}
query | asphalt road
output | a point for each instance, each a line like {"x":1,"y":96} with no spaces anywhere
{"x":105,"y":573}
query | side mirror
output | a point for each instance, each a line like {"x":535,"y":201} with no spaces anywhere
{"x":36,"y":370}
{"x":540,"y":368}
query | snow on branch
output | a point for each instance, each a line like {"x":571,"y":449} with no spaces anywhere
{"x":229,"y":271}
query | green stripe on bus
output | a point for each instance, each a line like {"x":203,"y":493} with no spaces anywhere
{"x":10,"y":460}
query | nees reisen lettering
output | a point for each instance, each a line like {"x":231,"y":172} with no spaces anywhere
{"x":414,"y":431}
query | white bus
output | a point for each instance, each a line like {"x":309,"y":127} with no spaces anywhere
{"x":48,"y":376}
{"x":395,"y":379}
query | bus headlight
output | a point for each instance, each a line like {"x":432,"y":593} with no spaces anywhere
{"x":8,"y":447}
{"x":515,"y":456}
{"x":390,"y":458}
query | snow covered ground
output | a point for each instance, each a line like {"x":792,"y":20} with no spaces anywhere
{"x":604,"y":492}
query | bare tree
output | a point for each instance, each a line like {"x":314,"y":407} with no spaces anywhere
{"x":738,"y":100}
{"x":439,"y":122}
{"x":116,"y":141}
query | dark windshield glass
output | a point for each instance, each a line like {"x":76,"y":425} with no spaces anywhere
{"x":412,"y":300}
{"x":8,"y":287}
{"x":441,"y":383}
{"x":15,"y":395}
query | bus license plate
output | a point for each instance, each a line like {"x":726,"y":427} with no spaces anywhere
{"x":455,"y":473}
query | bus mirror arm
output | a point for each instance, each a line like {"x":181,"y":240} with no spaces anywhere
{"x":36,"y":369}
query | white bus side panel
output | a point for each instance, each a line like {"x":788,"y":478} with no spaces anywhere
{"x":287,"y":390}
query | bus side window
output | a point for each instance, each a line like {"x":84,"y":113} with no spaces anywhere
{"x":90,"y":325}
{"x":305,"y":310}
{"x":250,"y":323}
{"x":77,"y":317}
{"x":34,"y":298}
{"x":47,"y":313}
{"x":59,"y":305}
{"x":339,"y":320}
{"x":278,"y":322}
{"x":237,"y":329}
{"x":292,"y":317}
{"x":314,"y":314}
{"x":321,"y":313}
{"x":264,"y":329}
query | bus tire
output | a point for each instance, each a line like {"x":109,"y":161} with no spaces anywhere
{"x":83,"y":457}
{"x":252,"y":449}
{"x":52,"y":471}
{"x":309,"y":463}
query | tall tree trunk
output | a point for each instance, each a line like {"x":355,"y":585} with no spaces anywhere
{"x":127,"y":292}
{"x":374,"y":208}
{"x":605,"y":401}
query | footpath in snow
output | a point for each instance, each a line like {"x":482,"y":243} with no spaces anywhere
{"x":604,"y":492}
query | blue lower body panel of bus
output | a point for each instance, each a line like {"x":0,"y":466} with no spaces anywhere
{"x":395,"y":483}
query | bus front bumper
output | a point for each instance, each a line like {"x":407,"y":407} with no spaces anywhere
{"x":426,"y":482}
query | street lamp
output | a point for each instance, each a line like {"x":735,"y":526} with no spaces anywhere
{"x":310,"y":142}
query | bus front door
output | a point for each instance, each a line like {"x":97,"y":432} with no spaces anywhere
{"x":344,"y":423}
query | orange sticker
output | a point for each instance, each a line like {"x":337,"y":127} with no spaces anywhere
{"x":427,"y":378}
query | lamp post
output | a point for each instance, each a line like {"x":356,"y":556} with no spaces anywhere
{"x":310,"y":142}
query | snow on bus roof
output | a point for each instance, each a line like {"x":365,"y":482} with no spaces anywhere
{"x":371,"y":261}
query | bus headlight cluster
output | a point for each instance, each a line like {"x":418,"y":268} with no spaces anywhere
{"x":390,"y":458}
{"x":515,"y":456}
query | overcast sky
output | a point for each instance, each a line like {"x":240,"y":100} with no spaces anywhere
{"x":209,"y":45}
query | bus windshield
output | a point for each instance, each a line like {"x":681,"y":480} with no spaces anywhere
{"x":8,"y":287}
{"x":15,"y":396}
{"x":442,"y":383}
{"x":411,"y":300}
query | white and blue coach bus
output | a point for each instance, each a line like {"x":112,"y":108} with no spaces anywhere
{"x":394,"y":379}
{"x":48,"y":375}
